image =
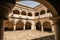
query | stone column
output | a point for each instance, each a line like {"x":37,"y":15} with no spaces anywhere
{"x":42,"y":28}
{"x":33,"y":15}
{"x":53,"y":28}
{"x":24,"y":26}
{"x":57,"y":28}
{"x":33,"y":27}
{"x":5,"y":8}
{"x":14,"y":26}
{"x":1,"y":29}
{"x":26,"y":14}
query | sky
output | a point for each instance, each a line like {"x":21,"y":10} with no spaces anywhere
{"x":29,"y":3}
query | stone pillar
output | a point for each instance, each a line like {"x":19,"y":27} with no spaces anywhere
{"x":1,"y":29}
{"x":33,"y":27}
{"x":14,"y":26}
{"x":53,"y":28}
{"x":57,"y":28}
{"x":42,"y":28}
{"x":5,"y":8}
{"x":33,"y":15}
{"x":26,"y":14}
{"x":24,"y":26}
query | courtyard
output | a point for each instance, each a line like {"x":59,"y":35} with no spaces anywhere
{"x":31,"y":21}
{"x":28,"y":35}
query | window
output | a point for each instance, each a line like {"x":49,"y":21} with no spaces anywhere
{"x":48,"y":11}
{"x":37,"y":14}
{"x":29,"y":14}
{"x":42,"y":12}
{"x":16,"y":12}
{"x":23,"y":13}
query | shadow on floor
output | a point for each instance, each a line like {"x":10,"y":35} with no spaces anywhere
{"x":50,"y":37}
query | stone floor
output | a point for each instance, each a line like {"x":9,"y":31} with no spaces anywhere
{"x":25,"y":35}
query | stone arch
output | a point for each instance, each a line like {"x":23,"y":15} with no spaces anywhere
{"x":28,"y":26}
{"x":47,"y":26}
{"x":48,"y":11}
{"x":19,"y":25}
{"x":55,"y":9}
{"x":8,"y":25}
{"x":29,"y":14}
{"x":16,"y":12}
{"x":23,"y":13}
{"x":38,"y":25}
{"x":50,"y":6}
{"x":37,"y":14}
{"x":42,"y":12}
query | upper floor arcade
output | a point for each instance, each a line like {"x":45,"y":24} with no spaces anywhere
{"x":24,"y":10}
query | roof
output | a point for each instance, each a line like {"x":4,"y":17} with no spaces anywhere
{"x":31,"y":4}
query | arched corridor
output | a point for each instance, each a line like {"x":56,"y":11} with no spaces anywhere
{"x":47,"y":26}
{"x":42,"y":12}
{"x":23,"y":13}
{"x":37,"y":14}
{"x":16,"y":12}
{"x":54,"y":8}
{"x":28,"y":26}
{"x":19,"y":25}
{"x":29,"y":14}
{"x":8,"y":25}
{"x":38,"y":26}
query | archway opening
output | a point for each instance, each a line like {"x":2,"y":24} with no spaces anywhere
{"x":38,"y":26}
{"x":16,"y":12}
{"x":23,"y":13}
{"x":47,"y":26}
{"x":42,"y":0}
{"x":48,"y":11}
{"x":29,"y":14}
{"x":19,"y":25}
{"x":8,"y":26}
{"x":42,"y":12}
{"x":37,"y":14}
{"x":28,"y":26}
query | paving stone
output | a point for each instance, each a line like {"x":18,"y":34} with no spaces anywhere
{"x":25,"y":35}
